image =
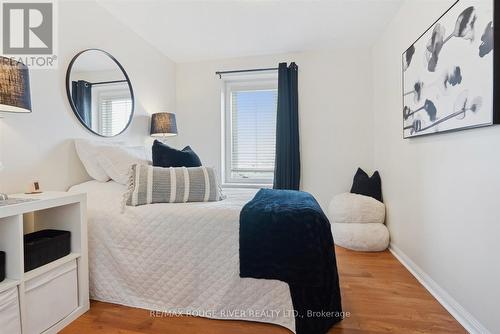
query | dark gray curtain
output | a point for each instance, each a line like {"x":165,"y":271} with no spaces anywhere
{"x":287,"y":162}
{"x":81,"y":91}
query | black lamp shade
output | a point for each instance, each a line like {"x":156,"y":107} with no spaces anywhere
{"x":14,"y":86}
{"x":163,"y":124}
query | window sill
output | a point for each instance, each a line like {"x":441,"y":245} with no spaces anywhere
{"x":246,"y":185}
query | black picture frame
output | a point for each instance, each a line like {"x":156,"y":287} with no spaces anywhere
{"x":496,"y":73}
{"x":70,"y":98}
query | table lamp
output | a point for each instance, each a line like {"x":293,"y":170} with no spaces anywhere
{"x":163,"y":124}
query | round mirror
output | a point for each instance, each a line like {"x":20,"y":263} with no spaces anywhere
{"x":100,"y":92}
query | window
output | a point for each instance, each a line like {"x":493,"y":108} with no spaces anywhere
{"x":114,"y":114}
{"x":250,"y":131}
{"x":111,"y":108}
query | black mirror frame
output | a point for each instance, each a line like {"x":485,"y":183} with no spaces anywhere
{"x":70,"y":99}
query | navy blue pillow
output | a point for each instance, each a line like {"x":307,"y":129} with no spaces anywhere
{"x":166,"y":156}
{"x":368,"y":186}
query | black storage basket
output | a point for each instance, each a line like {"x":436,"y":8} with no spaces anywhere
{"x":45,"y":246}
{"x":2,"y":266}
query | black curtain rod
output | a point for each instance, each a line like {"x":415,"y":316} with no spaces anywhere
{"x":107,"y":82}
{"x":220,"y":73}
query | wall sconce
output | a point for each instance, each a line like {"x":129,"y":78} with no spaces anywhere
{"x":15,"y":94}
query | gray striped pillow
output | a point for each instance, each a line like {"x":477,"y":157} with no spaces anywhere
{"x":148,"y":184}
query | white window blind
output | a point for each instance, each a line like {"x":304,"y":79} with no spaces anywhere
{"x":252,"y":133}
{"x":114,"y":114}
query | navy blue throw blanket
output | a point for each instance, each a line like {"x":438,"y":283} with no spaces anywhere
{"x":284,"y":235}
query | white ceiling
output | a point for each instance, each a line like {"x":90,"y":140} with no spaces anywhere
{"x":201,"y":30}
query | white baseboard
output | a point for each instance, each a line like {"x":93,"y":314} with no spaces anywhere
{"x":467,"y":320}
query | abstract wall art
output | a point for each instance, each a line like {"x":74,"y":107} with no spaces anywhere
{"x":449,"y":73}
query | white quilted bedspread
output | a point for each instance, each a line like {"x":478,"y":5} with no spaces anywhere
{"x":177,"y":258}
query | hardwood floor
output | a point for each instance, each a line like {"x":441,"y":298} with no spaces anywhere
{"x":380,"y":294}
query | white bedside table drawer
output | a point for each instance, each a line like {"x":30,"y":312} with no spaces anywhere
{"x":51,"y":297}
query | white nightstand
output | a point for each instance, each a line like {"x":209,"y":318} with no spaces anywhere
{"x":51,"y":296}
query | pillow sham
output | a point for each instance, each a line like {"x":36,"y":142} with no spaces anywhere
{"x":166,"y":156}
{"x":149,"y":184}
{"x":366,"y":185}
{"x":116,"y":161}
{"x":88,"y":152}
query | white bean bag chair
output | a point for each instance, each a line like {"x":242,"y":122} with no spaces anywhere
{"x":358,"y":223}
{"x":358,"y":209}
{"x":364,"y":237}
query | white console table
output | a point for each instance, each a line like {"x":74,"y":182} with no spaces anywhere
{"x":51,"y":296}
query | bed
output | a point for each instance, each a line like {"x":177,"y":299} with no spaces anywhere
{"x":177,"y":258}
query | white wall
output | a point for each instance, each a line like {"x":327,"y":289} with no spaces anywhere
{"x":334,"y":106}
{"x":38,"y":146}
{"x":442,"y":191}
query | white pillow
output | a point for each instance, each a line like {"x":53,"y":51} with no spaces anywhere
{"x":116,"y":161}
{"x":88,"y":152}
{"x":354,"y":208}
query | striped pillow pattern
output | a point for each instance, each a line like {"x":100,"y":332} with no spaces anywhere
{"x":148,"y":184}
